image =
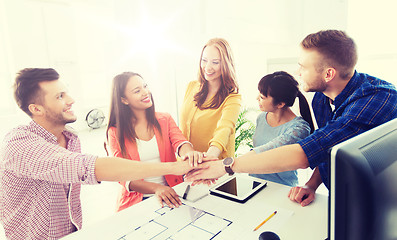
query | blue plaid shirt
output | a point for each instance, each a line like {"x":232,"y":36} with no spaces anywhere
{"x":365,"y":103}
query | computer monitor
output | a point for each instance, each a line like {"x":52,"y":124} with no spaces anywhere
{"x":363,"y":186}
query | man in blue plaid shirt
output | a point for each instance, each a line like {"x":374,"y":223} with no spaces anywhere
{"x":346,"y":103}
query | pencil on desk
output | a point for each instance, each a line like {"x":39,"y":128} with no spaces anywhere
{"x":267,"y":219}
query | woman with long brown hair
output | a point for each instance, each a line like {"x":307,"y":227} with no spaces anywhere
{"x":137,"y":132}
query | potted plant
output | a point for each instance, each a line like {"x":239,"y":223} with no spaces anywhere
{"x":244,"y":131}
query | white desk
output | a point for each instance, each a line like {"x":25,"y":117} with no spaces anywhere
{"x":307,"y":223}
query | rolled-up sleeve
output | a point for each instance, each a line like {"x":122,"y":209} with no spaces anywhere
{"x":227,"y":123}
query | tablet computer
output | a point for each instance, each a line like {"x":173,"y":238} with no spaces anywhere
{"x":238,"y":188}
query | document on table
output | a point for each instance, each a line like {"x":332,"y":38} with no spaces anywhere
{"x":185,"y":222}
{"x":245,"y":222}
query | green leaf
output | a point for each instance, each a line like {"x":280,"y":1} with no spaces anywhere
{"x":245,"y":129}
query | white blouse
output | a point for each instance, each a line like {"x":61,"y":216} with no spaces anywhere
{"x":149,"y":152}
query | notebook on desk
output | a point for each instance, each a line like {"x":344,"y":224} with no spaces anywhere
{"x":194,"y":194}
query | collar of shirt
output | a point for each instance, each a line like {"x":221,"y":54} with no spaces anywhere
{"x":39,"y":130}
{"x":351,"y":86}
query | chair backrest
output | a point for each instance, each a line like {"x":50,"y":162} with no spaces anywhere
{"x":105,"y":146}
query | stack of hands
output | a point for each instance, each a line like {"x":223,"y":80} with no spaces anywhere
{"x":198,"y":168}
{"x":205,"y":169}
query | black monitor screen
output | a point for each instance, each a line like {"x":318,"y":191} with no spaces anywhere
{"x":363,"y":190}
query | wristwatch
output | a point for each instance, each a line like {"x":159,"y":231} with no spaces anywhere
{"x":228,"y":163}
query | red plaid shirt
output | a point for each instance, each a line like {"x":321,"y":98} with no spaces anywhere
{"x":40,"y":183}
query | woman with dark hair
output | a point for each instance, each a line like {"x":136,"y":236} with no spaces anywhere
{"x":278,"y":125}
{"x":212,"y":103}
{"x":135,"y":131}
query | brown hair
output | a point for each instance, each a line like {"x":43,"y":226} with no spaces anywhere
{"x":26,"y":86}
{"x":228,"y":76}
{"x":121,"y":115}
{"x":337,"y":48}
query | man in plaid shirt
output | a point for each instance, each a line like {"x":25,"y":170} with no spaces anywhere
{"x":346,"y":103}
{"x":42,"y":169}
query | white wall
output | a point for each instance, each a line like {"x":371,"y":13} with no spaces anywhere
{"x":373,"y":26}
{"x":90,"y":41}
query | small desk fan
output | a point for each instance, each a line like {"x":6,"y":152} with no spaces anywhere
{"x":95,"y":118}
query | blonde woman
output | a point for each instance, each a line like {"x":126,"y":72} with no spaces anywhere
{"x":212,"y":103}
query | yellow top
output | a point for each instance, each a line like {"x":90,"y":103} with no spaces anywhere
{"x":207,"y":127}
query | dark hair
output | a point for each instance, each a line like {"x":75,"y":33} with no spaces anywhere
{"x":283,"y":88}
{"x":121,"y":116}
{"x":228,"y":75}
{"x":337,"y":48}
{"x":26,"y":86}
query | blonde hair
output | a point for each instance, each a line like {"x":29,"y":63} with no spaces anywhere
{"x":228,"y":75}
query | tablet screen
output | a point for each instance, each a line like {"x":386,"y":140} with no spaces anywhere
{"x":238,"y":186}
